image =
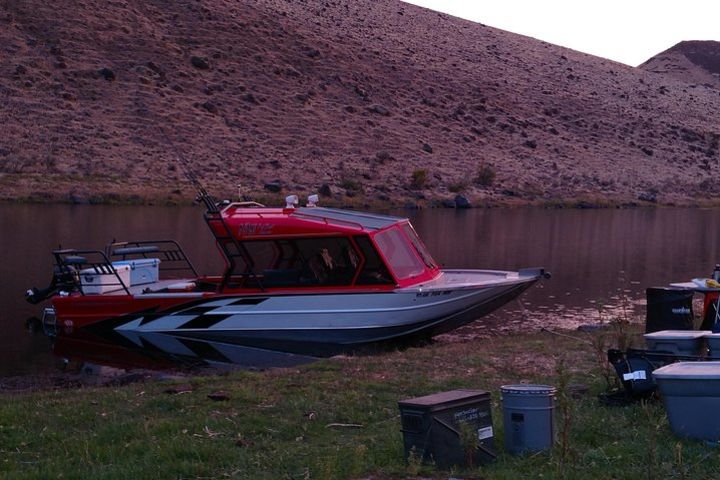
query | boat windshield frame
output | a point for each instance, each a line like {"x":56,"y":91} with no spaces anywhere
{"x":403,"y":256}
{"x":419,"y":246}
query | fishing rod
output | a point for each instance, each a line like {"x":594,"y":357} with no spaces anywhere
{"x":213,"y":215}
{"x":203,"y":194}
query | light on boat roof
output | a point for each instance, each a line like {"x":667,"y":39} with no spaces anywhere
{"x":291,"y":201}
{"x":313,"y":200}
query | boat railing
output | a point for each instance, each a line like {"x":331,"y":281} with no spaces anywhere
{"x":236,"y":205}
{"x":97,"y":272}
{"x":76,"y":270}
{"x":232,"y":249}
{"x":232,"y":208}
{"x":171,"y":255}
{"x":328,"y":220}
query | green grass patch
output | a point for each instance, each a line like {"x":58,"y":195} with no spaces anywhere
{"x":336,"y":419}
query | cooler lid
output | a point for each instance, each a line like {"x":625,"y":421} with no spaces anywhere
{"x":444,"y":398}
{"x":137,"y":261}
{"x":689,"y":371}
{"x":677,"y":334}
{"x":98,"y":272}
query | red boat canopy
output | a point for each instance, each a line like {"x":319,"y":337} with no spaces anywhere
{"x":316,"y":247}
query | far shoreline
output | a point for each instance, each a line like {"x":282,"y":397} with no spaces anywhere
{"x":455,"y":202}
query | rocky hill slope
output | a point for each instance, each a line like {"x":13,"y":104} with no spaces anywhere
{"x":367,"y":99}
{"x":696,"y":62}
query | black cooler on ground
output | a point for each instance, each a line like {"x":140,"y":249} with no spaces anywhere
{"x":449,"y":428}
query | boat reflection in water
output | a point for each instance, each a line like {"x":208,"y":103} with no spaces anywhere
{"x":161,"y":351}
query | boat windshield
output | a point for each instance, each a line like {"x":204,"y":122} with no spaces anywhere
{"x":419,"y":246}
{"x":401,"y":256}
{"x":374,"y":271}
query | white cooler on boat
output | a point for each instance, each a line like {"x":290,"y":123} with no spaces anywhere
{"x":94,"y":283}
{"x":142,"y":270}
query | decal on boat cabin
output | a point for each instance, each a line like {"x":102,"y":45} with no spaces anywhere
{"x":252,"y":229}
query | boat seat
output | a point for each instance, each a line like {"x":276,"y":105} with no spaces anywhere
{"x":135,"y":250}
{"x":75,"y":260}
{"x":315,"y":271}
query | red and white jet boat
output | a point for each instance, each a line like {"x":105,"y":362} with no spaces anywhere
{"x":309,"y":280}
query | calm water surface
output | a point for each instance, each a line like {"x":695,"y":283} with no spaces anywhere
{"x":597,"y":257}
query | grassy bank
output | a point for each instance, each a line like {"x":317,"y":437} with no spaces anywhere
{"x":338,"y":418}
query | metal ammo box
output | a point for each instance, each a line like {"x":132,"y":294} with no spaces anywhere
{"x":449,"y":428}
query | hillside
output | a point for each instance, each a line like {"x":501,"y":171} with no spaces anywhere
{"x":696,"y":62}
{"x":374,"y":99}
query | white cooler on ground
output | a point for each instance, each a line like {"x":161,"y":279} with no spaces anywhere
{"x":678,"y":342}
{"x":691,"y":394}
{"x":713,"y":343}
{"x":94,"y":283}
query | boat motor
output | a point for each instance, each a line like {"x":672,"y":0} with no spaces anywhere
{"x":65,"y":277}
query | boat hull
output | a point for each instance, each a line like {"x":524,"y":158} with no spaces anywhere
{"x":320,"y":324}
{"x":325,"y":341}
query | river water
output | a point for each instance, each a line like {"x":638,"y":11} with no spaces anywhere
{"x":601,"y":260}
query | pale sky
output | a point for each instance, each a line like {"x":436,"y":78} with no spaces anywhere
{"x":627,"y":31}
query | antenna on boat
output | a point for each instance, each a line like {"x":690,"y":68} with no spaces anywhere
{"x":203,"y":194}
